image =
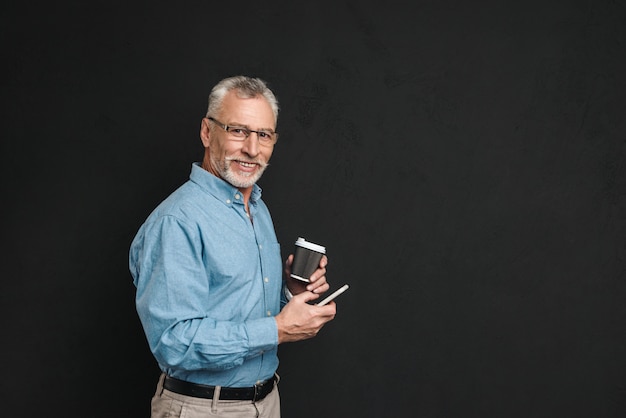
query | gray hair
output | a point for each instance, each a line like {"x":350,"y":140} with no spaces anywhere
{"x":245,"y":87}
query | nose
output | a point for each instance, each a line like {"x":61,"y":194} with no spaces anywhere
{"x":251,"y":146}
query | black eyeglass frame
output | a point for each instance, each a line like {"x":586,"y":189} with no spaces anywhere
{"x":264,"y":137}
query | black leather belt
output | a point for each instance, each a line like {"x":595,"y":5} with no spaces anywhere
{"x":254,"y":393}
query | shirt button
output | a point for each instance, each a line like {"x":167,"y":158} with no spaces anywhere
{"x":227,"y":200}
{"x":260,"y":247}
{"x":267,"y":280}
{"x":237,"y":196}
{"x":269,"y":313}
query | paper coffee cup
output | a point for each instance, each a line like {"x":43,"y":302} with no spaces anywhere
{"x":306,"y":259}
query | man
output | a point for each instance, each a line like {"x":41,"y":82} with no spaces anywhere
{"x":207,"y":266}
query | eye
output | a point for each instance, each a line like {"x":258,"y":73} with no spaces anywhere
{"x":238,"y":131}
{"x":264,"y":135}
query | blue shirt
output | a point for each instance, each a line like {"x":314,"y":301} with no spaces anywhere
{"x":209,"y":283}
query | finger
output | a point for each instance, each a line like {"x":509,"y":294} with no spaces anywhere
{"x":328,"y":311}
{"x":307,"y":296}
{"x":315,"y":282}
{"x":287,"y":266}
{"x":317,"y":274}
{"x":318,"y":288}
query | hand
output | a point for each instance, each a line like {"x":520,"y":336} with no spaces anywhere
{"x":317,"y":284}
{"x":300,"y":321}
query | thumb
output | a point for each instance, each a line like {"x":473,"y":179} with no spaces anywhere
{"x":307,"y":296}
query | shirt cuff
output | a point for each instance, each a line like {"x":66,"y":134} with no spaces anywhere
{"x":262,"y":334}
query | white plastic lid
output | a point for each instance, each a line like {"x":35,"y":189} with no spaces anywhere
{"x":301,"y":242}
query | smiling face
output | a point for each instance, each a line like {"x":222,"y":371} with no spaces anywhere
{"x":240,"y":163}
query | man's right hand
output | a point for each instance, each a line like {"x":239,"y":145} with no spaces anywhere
{"x":300,"y":320}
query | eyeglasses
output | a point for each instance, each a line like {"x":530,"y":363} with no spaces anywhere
{"x":241,"y":133}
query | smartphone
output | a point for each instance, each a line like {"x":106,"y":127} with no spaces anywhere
{"x":333,"y":295}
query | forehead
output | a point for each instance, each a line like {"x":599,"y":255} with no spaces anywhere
{"x":253,"y":112}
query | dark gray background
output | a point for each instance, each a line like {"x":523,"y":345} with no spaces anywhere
{"x":463,"y":162}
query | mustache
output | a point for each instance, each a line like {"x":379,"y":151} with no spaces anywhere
{"x":260,"y":163}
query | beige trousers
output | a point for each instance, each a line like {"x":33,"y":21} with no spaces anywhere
{"x":170,"y":404}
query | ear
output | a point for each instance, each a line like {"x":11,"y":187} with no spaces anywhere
{"x":205,"y":132}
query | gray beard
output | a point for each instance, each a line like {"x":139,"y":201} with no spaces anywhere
{"x":241,"y":180}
